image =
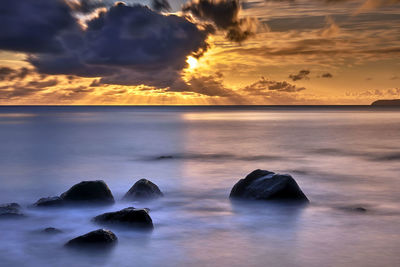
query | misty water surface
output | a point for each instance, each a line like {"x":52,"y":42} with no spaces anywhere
{"x":342,"y":158}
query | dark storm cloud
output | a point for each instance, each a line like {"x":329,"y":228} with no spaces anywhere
{"x":128,"y":45}
{"x":85,"y":6}
{"x":326,"y":75}
{"x":303,"y":74}
{"x":33,"y":26}
{"x":225,"y":15}
{"x":160,"y":5}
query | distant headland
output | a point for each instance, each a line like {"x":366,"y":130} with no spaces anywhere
{"x":391,"y":102}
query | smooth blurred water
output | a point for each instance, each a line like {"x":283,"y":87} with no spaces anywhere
{"x":342,"y":158}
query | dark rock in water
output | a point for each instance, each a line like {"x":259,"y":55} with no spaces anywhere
{"x":51,"y":230}
{"x":96,"y":192}
{"x":360,"y":209}
{"x":354,"y":209}
{"x":266,"y":185}
{"x":49,"y":202}
{"x":11,"y":210}
{"x":100,"y":237}
{"x":138,"y":218}
{"x":165,"y":157}
{"x":143,"y":189}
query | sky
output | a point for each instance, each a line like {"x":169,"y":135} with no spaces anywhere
{"x":199,"y":52}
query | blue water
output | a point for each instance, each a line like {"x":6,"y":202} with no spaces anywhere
{"x":342,"y":158}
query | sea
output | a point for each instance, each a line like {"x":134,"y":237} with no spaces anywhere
{"x":346,"y":159}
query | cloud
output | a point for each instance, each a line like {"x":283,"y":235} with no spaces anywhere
{"x":34,"y":26}
{"x":265,"y":86}
{"x":9,"y":74}
{"x":326,"y":75}
{"x":127,"y":45}
{"x":160,"y":5}
{"x":5,"y":73}
{"x":374,"y":4}
{"x":22,"y":88}
{"x":376,"y":93}
{"x":42,"y":84}
{"x":211,"y":85}
{"x":225,"y":15}
{"x":320,"y":51}
{"x":303,"y":74}
{"x":85,"y":6}
{"x":331,"y":29}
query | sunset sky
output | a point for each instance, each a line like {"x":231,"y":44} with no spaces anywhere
{"x":79,"y":52}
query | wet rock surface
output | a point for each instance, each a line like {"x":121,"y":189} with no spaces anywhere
{"x":355,"y":209}
{"x":266,"y":185}
{"x":51,"y":230}
{"x":131,"y":217}
{"x":49,"y":202}
{"x":11,"y":210}
{"x":97,"y":238}
{"x":93,"y":192}
{"x":142,"y":190}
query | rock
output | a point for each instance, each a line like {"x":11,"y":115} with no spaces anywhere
{"x":131,"y":217}
{"x":51,"y":230}
{"x":360,"y":209}
{"x":11,"y":210}
{"x":100,"y":237}
{"x":387,"y":102}
{"x":49,"y":202}
{"x":266,"y":185}
{"x":164,"y":157}
{"x":95,"y":192}
{"x":354,"y":209}
{"x":143,"y":189}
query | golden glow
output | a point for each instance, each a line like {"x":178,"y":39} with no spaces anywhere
{"x":362,"y":72}
{"x":192,"y":62}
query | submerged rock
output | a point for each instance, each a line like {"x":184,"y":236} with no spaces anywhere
{"x":354,"y":209}
{"x":164,"y":157}
{"x":51,"y":230}
{"x":11,"y":210}
{"x":100,"y":237}
{"x":138,"y":218}
{"x":96,"y":192}
{"x":266,"y":185}
{"x":360,"y":209}
{"x":49,"y":202}
{"x":143,"y":189}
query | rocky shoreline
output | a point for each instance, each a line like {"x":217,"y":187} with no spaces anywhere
{"x":259,"y":185}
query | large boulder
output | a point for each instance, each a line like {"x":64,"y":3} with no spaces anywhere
{"x":143,"y":189}
{"x":96,"y":192}
{"x":100,"y":237}
{"x":131,"y":217}
{"x":11,"y":210}
{"x":49,"y":202}
{"x":266,"y":185}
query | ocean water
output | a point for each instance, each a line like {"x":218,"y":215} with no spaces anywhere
{"x":342,"y":158}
